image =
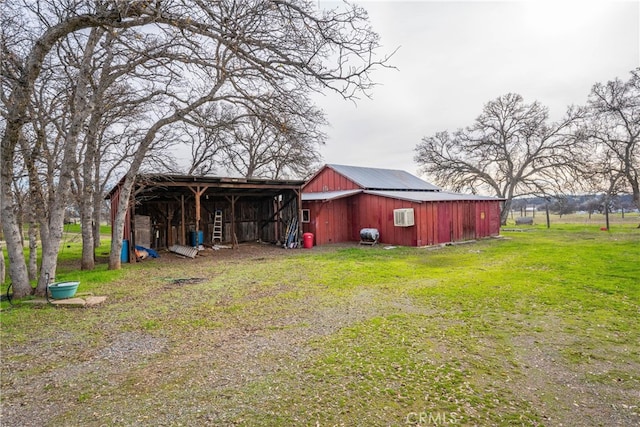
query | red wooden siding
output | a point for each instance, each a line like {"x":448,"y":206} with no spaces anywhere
{"x":328,"y":221}
{"x":328,"y":180}
{"x":494,"y":218}
{"x":372,"y":211}
{"x":468,"y":221}
{"x":482,"y":219}
{"x":426,"y":220}
{"x":435,"y":222}
{"x":488,"y":218}
{"x":444,"y":225}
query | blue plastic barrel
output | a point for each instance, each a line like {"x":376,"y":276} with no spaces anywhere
{"x":124,"y":253}
{"x":192,"y":238}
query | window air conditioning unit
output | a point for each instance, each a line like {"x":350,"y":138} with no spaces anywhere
{"x":403,"y":217}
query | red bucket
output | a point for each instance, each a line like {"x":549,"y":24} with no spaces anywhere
{"x":307,"y":240}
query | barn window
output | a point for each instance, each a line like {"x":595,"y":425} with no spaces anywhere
{"x":305,"y":215}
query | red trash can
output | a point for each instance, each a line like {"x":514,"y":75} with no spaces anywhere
{"x":307,"y":240}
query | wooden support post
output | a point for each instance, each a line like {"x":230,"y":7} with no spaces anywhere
{"x":183,"y":230}
{"x":299,"y":210}
{"x":198,"y":192}
{"x":233,"y":200}
{"x":276,"y":223}
{"x":169,"y":228}
{"x":132,"y":232}
{"x":233,"y":221}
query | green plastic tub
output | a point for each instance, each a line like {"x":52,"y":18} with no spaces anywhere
{"x":63,"y":290}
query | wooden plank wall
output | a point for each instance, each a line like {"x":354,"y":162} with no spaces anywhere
{"x":372,"y":211}
{"x":435,"y":222}
{"x":329,"y":180}
{"x":328,"y":221}
{"x":426,"y":219}
{"x":482,"y":219}
{"x":487,"y":218}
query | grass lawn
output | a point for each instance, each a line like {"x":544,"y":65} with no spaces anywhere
{"x":537,"y":328}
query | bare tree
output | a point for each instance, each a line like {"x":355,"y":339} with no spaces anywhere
{"x":511,"y":150}
{"x":206,"y":131}
{"x":292,"y":140}
{"x":212,"y":52}
{"x":613,"y":125}
{"x":273,"y":147}
{"x":268,"y":137}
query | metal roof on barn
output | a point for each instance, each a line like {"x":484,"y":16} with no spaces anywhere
{"x":410,"y":196}
{"x":383,"y":179}
{"x":328,"y":195}
{"x":431,"y":196}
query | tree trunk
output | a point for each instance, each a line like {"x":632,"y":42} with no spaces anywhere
{"x":32,"y":267}
{"x":115,"y":262}
{"x":636,"y":195}
{"x":50,"y":250}
{"x":10,"y":227}
{"x":97,"y":219}
{"x":97,"y":199}
{"x":97,"y":205}
{"x":546,"y":207}
{"x":88,"y":251}
{"x":87,"y":196}
{"x":504,"y":214}
{"x":2,"y":269}
{"x":91,"y":200}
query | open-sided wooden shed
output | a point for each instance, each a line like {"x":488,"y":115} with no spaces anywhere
{"x":339,"y":201}
{"x":188,"y":210}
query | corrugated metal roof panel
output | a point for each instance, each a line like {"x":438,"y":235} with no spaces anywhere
{"x":328,"y":195}
{"x":383,"y":179}
{"x":430,"y":196}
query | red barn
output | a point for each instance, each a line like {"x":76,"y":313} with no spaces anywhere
{"x":339,"y":201}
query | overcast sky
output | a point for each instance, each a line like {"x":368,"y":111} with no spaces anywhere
{"x":455,"y":56}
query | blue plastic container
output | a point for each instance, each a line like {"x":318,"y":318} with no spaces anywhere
{"x":63,"y":290}
{"x":192,"y":238}
{"x":124,"y":253}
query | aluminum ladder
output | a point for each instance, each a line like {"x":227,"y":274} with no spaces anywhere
{"x":217,"y":226}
